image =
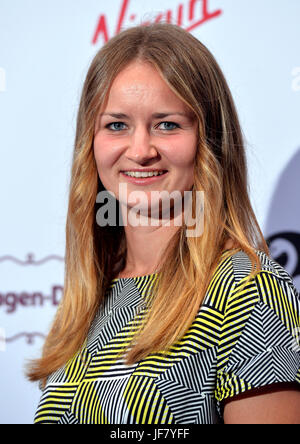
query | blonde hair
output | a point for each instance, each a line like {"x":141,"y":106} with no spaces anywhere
{"x":220,"y":172}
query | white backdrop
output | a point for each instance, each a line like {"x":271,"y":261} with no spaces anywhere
{"x":45,"y":51}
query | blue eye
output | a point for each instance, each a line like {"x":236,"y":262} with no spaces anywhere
{"x":117,"y":126}
{"x":168,"y":124}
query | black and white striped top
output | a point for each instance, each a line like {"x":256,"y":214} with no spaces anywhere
{"x":239,"y":340}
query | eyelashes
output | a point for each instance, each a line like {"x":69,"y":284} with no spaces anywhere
{"x":115,"y":126}
{"x":170,"y":123}
{"x":109,"y":126}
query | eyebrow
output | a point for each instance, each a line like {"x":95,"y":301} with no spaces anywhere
{"x":155,"y":115}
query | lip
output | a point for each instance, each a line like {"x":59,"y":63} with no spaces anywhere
{"x":143,"y":170}
{"x":144,"y":180}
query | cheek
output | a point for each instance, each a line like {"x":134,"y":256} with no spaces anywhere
{"x":183,"y":152}
{"x":104,"y":154}
{"x":103,"y":162}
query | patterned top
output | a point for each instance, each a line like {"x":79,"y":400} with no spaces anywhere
{"x":239,"y":340}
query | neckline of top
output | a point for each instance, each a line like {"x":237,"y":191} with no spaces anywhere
{"x":134,"y":277}
{"x":151,"y":274}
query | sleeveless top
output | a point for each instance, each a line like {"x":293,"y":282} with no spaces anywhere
{"x":238,"y":341}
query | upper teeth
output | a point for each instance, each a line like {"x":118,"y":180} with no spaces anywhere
{"x":143,"y":174}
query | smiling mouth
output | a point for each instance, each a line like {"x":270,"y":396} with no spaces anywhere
{"x":144,"y":174}
{"x":144,"y":178}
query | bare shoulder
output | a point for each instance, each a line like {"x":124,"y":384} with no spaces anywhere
{"x":273,"y":404}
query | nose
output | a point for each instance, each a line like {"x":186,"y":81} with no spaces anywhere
{"x":140,"y":148}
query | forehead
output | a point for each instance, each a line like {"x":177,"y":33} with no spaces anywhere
{"x":138,"y":71}
{"x":141,"y":83}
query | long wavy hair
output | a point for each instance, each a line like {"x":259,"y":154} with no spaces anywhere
{"x":94,"y":254}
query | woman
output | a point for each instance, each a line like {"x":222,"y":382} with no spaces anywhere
{"x":156,"y":326}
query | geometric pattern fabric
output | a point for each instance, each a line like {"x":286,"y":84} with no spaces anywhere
{"x":243,"y":337}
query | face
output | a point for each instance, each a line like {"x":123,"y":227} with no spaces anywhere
{"x":144,"y":126}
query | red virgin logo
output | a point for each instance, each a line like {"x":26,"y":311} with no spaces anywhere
{"x":189,"y":15}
